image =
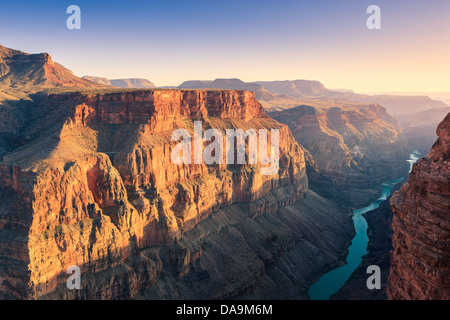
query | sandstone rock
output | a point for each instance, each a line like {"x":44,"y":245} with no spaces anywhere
{"x":122,"y":83}
{"x":25,"y":70}
{"x":230,"y":84}
{"x":420,"y":262}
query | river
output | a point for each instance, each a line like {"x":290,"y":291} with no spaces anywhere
{"x":330,"y":283}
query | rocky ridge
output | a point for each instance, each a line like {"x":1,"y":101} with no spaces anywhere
{"x":122,"y":83}
{"x":25,"y":71}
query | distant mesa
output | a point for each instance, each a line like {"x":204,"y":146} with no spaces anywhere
{"x":230,"y":84}
{"x":296,"y":88}
{"x":99,"y":80}
{"x":87,"y":179}
{"x":96,"y":187}
{"x":264,"y":90}
{"x":346,"y":143}
{"x":122,"y":83}
{"x":274,"y":94}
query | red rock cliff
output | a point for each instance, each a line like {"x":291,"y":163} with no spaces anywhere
{"x":421,"y":257}
{"x":355,"y":147}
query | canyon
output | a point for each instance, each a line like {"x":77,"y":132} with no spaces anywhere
{"x":87,"y":179}
{"x":418,"y":114}
{"x":122,"y":83}
{"x":352,"y":144}
{"x":352,"y":148}
{"x":20,"y":71}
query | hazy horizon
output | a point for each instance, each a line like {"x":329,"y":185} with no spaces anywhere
{"x":168,"y":42}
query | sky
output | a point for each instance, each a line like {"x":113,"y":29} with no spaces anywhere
{"x":170,"y":41}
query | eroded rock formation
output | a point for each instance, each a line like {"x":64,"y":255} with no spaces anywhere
{"x":420,"y":261}
{"x":23,"y":70}
{"x":354,"y":147}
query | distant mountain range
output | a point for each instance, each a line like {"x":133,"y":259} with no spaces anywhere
{"x":441,"y":96}
{"x":87,"y":179}
{"x":122,"y":83}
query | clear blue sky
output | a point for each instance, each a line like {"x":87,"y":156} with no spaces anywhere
{"x":172,"y":41}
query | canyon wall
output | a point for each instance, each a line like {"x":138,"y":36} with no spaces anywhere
{"x":122,"y":83}
{"x":93,"y":185}
{"x":420,"y":261}
{"x":354,"y":148}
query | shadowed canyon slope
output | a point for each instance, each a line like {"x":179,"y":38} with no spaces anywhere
{"x":420,"y":262}
{"x":354,"y":148}
{"x":230,"y":84}
{"x":21,"y":70}
{"x":273,"y":256}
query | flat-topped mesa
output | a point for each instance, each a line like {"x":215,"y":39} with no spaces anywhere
{"x":420,"y":261}
{"x":159,"y":108}
{"x":32,"y":72}
{"x":441,"y":149}
{"x":38,"y":59}
{"x":18,"y":59}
